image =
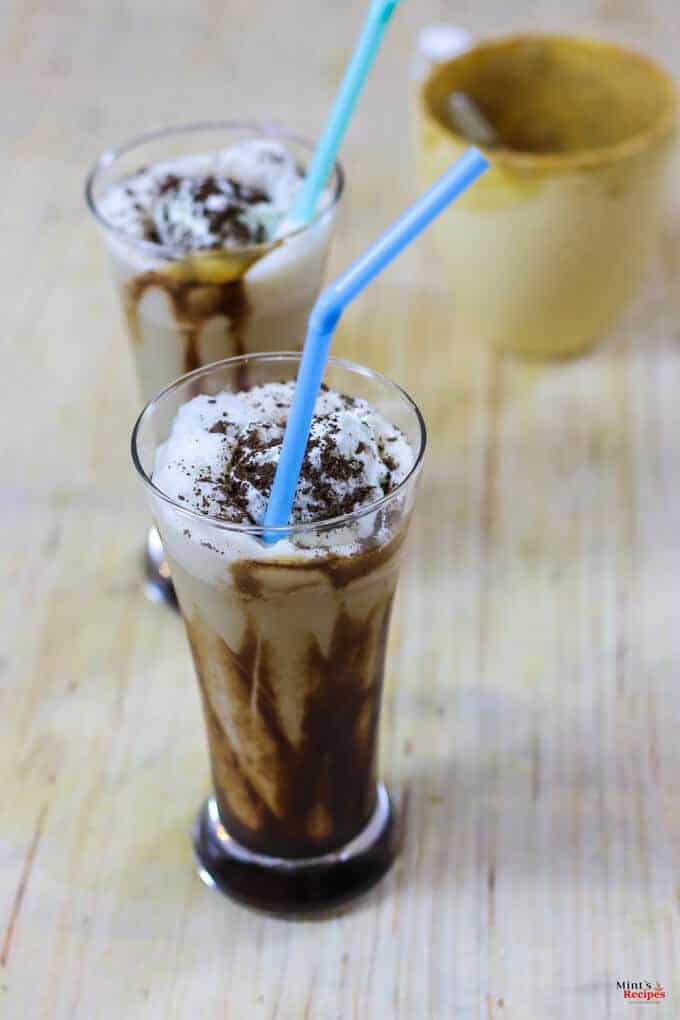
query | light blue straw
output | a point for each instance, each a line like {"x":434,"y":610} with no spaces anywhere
{"x":360,"y":63}
{"x":327,"y":311}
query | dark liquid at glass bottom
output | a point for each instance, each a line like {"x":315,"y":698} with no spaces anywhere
{"x":301,"y":886}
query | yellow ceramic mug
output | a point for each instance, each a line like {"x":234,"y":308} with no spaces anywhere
{"x":550,"y":244}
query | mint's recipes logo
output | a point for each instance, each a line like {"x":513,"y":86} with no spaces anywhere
{"x":641,"y":991}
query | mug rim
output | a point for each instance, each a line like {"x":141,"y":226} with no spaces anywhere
{"x":663,"y":126}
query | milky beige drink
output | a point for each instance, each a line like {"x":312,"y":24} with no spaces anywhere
{"x":288,"y":637}
{"x":206,"y":258}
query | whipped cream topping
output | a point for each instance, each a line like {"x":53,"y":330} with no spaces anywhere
{"x":232,"y":198}
{"x":222,"y":453}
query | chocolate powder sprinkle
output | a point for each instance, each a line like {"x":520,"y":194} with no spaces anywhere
{"x":220,"y":202}
{"x":347,"y":463}
{"x":243,"y":469}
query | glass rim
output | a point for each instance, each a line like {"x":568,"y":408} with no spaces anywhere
{"x":280,"y":530}
{"x":260,"y":129}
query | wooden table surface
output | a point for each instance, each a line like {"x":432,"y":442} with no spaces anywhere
{"x":531,"y":732}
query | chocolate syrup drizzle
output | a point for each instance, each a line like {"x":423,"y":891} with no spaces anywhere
{"x":324,"y":783}
{"x":193,"y":303}
{"x":320,"y":789}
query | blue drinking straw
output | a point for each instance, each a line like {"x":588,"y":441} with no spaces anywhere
{"x":360,"y":64}
{"x":327,"y":311}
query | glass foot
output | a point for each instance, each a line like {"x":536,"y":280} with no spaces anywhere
{"x":301,"y":885}
{"x":159,"y":586}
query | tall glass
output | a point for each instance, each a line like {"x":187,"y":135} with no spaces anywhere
{"x":187,"y":310}
{"x":288,"y":641}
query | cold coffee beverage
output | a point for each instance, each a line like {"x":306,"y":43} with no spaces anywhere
{"x":205,"y":256}
{"x":288,"y":637}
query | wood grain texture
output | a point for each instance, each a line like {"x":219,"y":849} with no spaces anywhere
{"x":531,"y":726}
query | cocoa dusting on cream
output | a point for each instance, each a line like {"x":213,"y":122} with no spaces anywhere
{"x":322,"y":469}
{"x":228,"y":200}
{"x":223,"y":452}
{"x":203,"y":213}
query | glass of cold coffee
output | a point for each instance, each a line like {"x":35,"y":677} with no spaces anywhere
{"x":288,"y":636}
{"x":205,"y":258}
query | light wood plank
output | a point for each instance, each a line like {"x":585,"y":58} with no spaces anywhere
{"x":530,"y":730}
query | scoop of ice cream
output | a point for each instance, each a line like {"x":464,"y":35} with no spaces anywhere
{"x":222,"y":453}
{"x":229,"y":199}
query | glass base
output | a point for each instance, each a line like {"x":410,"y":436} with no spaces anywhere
{"x":159,"y":586}
{"x":301,"y":885}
